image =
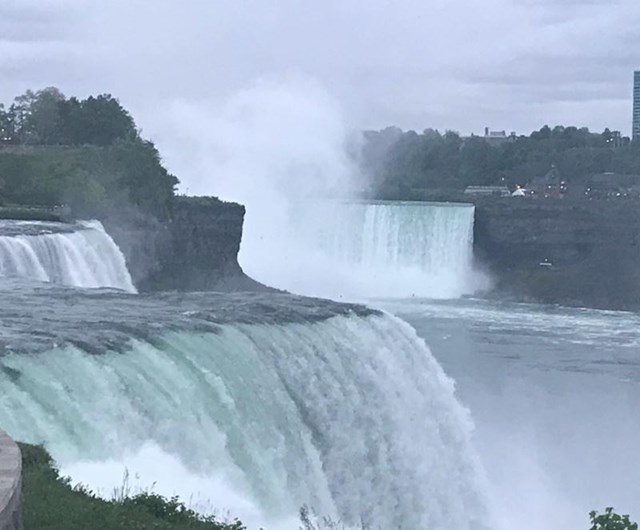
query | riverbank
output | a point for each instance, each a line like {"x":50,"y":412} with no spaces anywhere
{"x":49,"y":501}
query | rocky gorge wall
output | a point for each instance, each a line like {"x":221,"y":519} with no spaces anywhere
{"x":579,"y":253}
{"x":569,"y":252}
{"x":196,"y":249}
{"x":10,"y":484}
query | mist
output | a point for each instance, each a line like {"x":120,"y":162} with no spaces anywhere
{"x":282,"y":148}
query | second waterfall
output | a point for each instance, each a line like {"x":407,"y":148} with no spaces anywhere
{"x":365,"y":249}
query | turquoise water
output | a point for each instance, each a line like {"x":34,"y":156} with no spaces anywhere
{"x":253,"y":403}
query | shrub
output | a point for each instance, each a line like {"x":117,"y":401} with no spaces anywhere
{"x":50,"y":502}
{"x":610,"y":520}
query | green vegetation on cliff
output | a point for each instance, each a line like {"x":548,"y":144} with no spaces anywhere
{"x":50,"y":502}
{"x":84,"y":154}
{"x":404,"y":165}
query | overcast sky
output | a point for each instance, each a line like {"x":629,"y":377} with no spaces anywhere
{"x":506,"y":64}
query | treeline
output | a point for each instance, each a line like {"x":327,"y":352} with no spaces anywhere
{"x":86,"y":154}
{"x":409,"y":164}
{"x":47,"y":117}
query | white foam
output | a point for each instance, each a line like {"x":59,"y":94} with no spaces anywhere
{"x":86,"y":257}
{"x":352,"y":416}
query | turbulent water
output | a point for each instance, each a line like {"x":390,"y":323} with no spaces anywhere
{"x":80,"y":255}
{"x":257,"y":404}
{"x":355,"y":249}
{"x":284,"y":401}
{"x":554,"y":394}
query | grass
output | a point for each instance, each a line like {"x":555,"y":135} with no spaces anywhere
{"x":51,"y":503}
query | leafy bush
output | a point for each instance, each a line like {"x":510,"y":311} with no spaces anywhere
{"x":50,"y":502}
{"x":611,"y":521}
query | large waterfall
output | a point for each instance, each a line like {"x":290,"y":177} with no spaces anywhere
{"x":358,"y":249}
{"x":81,"y":255}
{"x":349,"y":414}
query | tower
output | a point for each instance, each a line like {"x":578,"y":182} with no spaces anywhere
{"x":635,"y":130}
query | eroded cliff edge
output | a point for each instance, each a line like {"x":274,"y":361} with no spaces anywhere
{"x":194,"y":249}
{"x":580,"y":253}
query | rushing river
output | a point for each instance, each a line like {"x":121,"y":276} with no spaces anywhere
{"x":408,"y":413}
{"x":554,"y":394}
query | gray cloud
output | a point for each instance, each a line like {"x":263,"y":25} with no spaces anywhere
{"x":513,"y":64}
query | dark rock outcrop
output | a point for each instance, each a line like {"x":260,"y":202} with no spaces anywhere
{"x":196,"y":249}
{"x":579,"y":253}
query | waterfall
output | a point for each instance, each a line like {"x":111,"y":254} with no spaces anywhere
{"x":351,"y":415}
{"x":432,"y":238}
{"x":376,"y":249}
{"x":81,"y":255}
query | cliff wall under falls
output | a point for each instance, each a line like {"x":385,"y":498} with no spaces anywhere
{"x":580,"y":253}
{"x":196,"y":249}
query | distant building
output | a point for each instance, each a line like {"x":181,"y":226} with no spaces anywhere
{"x":497,"y":137}
{"x":549,"y":185}
{"x":494,"y":134}
{"x":635,"y":131}
{"x":487,"y":191}
{"x":494,"y":137}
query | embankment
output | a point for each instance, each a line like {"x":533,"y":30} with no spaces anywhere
{"x":579,"y":253}
{"x":10,"y":484}
{"x":196,"y":249}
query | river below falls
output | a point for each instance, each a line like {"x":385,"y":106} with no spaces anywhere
{"x":248,"y":405}
{"x":554,"y":394}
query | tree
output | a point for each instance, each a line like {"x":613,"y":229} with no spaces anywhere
{"x":46,"y":117}
{"x":18,"y":115}
{"x":415,"y":165}
{"x":137,"y":168}
{"x":97,"y":120}
{"x":611,"y":521}
{"x":106,"y":120}
{"x":43,"y":122}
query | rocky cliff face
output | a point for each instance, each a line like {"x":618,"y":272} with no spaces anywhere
{"x":582,"y":253}
{"x":195,"y":250}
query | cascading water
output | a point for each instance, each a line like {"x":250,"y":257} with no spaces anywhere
{"x":276,"y":147}
{"x":349,"y":414}
{"x":264,"y":403}
{"x":81,"y":255}
{"x":378,"y":249}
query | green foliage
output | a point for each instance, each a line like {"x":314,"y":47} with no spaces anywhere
{"x":86,"y":154}
{"x":50,"y":502}
{"x":611,"y":521}
{"x":46,"y":117}
{"x":405,"y":164}
{"x":90,"y":180}
{"x":174,"y":511}
{"x":97,"y":120}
